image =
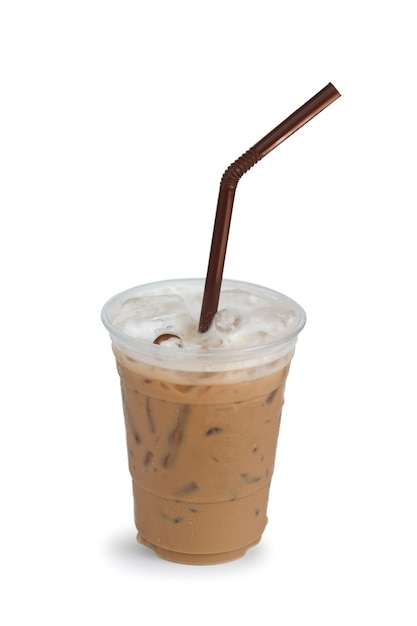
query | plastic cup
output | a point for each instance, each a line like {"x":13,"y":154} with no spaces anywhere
{"x":202,"y":429}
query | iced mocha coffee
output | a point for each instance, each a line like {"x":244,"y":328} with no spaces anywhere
{"x":202,"y":412}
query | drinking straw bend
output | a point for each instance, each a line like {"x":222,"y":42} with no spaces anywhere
{"x":228,"y":185}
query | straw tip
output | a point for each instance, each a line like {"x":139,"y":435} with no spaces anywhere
{"x":336,"y":91}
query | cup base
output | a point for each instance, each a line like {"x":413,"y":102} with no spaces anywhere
{"x":196,"y":559}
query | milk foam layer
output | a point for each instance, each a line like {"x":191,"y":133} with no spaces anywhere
{"x":248,"y":316}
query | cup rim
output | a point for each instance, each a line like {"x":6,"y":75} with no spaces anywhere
{"x":210,"y":354}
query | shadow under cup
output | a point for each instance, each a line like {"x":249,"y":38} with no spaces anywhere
{"x":202,"y":428}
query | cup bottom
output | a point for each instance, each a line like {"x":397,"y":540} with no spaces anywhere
{"x":196,"y":559}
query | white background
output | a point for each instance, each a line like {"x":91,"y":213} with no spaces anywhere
{"x":117,"y":120}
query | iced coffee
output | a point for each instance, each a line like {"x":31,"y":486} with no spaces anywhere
{"x":202,"y":411}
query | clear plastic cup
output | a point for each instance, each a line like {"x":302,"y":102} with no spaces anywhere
{"x":202,"y":427}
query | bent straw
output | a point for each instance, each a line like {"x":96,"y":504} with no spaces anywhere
{"x":228,"y":185}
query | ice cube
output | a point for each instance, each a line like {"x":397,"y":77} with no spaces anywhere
{"x":272,"y":320}
{"x":137,"y":326}
{"x":153,"y":307}
{"x":228,"y":320}
{"x":149,"y":317}
{"x":239,"y":299}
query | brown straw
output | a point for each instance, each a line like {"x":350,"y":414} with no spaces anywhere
{"x":227,"y":191}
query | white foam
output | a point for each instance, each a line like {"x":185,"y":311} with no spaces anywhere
{"x":247,"y":315}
